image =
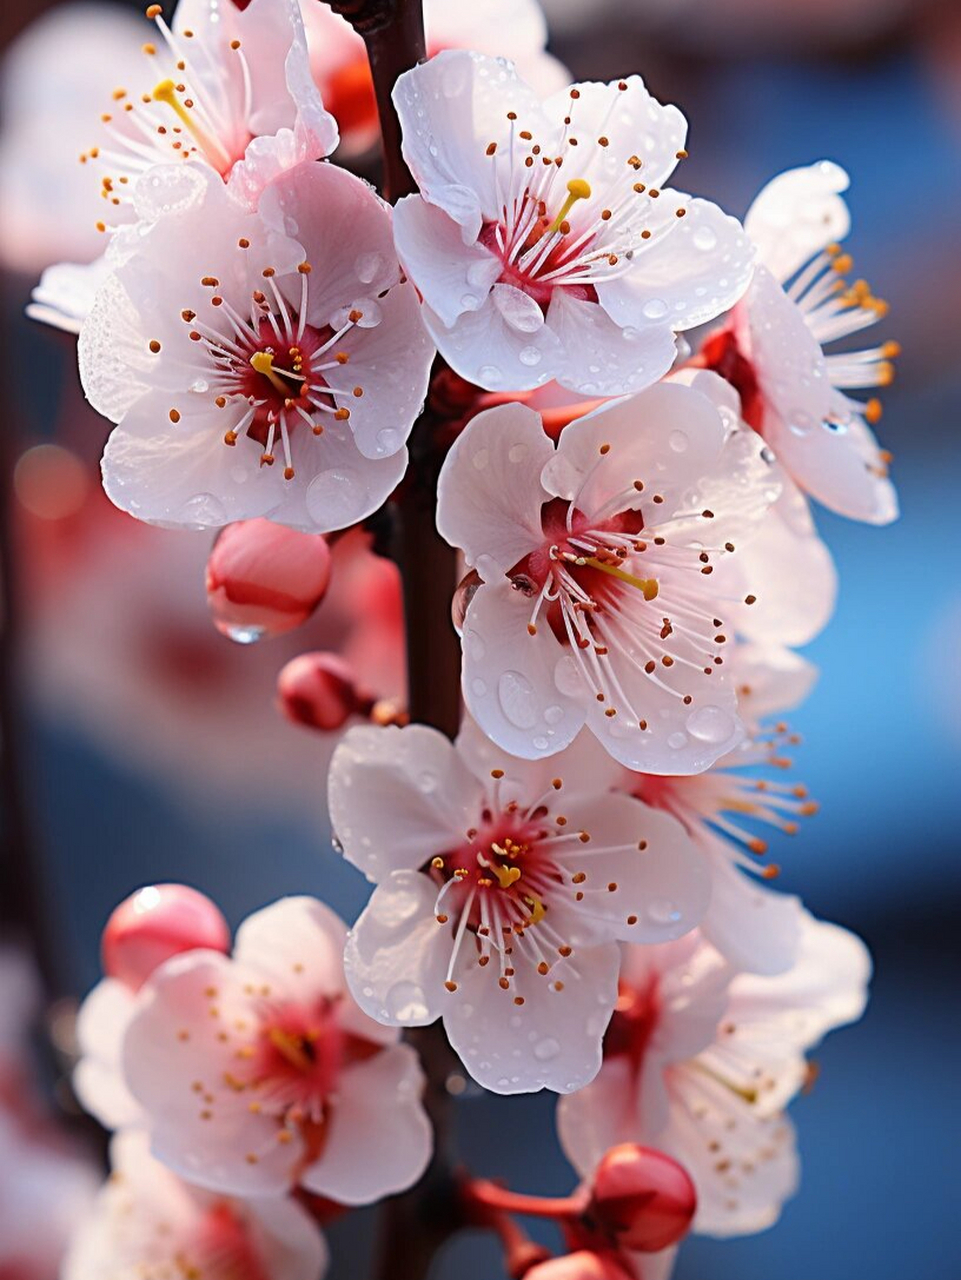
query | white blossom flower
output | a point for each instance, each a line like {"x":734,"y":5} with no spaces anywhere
{"x":513,"y":29}
{"x":146,"y":1222}
{"x":259,"y":1073}
{"x":543,"y":241}
{"x":225,"y":88}
{"x":793,"y":392}
{"x":597,"y":603}
{"x":700,"y":1062}
{"x":225,"y":342}
{"x":500,"y":894}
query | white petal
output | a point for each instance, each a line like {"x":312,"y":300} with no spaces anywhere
{"x":583,"y":767}
{"x":771,"y":679}
{"x":523,"y":690}
{"x":398,"y":797}
{"x":797,"y":214}
{"x":552,"y":1041}
{"x":694,"y":271}
{"x":489,"y":496}
{"x":450,"y":108}
{"x":380,"y":1139}
{"x":599,"y":1116}
{"x":754,"y":928}
{"x":97,"y":1078}
{"x":483,"y":348}
{"x":452,"y":276}
{"x":66,"y":292}
{"x":663,"y":887}
{"x":600,"y":357}
{"x":397,"y":954}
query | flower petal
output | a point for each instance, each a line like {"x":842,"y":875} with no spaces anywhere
{"x":380,"y":1140}
{"x":483,"y":347}
{"x":97,"y":1079}
{"x":798,"y":214}
{"x":602,"y":358}
{"x":452,"y":276}
{"x":755,"y":929}
{"x":426,"y":798}
{"x":489,"y":495}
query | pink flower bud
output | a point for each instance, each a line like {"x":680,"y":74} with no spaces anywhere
{"x":584,"y":1264}
{"x":155,"y":923}
{"x":642,"y":1198}
{"x":320,"y":690}
{"x":264,"y":579}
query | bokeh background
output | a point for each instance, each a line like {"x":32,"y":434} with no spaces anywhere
{"x":150,"y":749}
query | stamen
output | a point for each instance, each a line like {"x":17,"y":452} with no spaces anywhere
{"x":166,"y":92}
{"x":577,"y":189}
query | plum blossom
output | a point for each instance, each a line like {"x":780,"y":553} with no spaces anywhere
{"x":513,"y":29}
{"x":147,"y":1222}
{"x":700,"y":1062}
{"x":597,"y":603}
{"x":258,"y":1073}
{"x":793,"y":392}
{"x":501,"y":893}
{"x":224,"y":88}
{"x":259,"y":347}
{"x":752,"y":927}
{"x":543,"y":241}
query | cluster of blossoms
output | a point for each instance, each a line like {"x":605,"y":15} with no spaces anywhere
{"x":577,"y":884}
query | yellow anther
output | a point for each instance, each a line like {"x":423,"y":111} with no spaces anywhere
{"x":577,"y":189}
{"x":506,"y":876}
{"x":648,"y":586}
{"x":292,"y":1048}
{"x":537,"y":909}
{"x":263,"y":362}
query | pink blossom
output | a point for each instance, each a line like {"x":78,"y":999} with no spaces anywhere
{"x":793,"y":392}
{"x":224,"y":90}
{"x":259,"y":1073}
{"x":700,"y":1062}
{"x":501,"y":892}
{"x":513,"y":29}
{"x":147,"y":1221}
{"x":258,"y":348}
{"x":597,"y":602}
{"x":321,"y":691}
{"x":543,"y":241}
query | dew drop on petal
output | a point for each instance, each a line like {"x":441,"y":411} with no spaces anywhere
{"x":480,"y":459}
{"x":389,"y":440}
{"x":663,"y":911}
{"x":470,"y":302}
{"x":704,"y":238}
{"x":710,"y":724}
{"x":677,"y":740}
{"x":489,"y":375}
{"x":517,"y":699}
{"x":546,"y":1049}
{"x":406,"y":1002}
{"x":393,"y":905}
{"x":334,"y":497}
{"x":655,"y":309}
{"x":368,"y":265}
{"x":205,"y":510}
{"x":529,"y":356}
{"x":427,"y":782}
{"x":554,"y":714}
{"x":517,"y":452}
{"x":567,"y":677}
{"x":541,"y":742}
{"x":678,"y":441}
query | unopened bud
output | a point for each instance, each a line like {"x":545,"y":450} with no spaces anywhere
{"x":320,"y":690}
{"x":642,"y":1198}
{"x":155,"y":923}
{"x":264,"y":579}
{"x":584,"y":1264}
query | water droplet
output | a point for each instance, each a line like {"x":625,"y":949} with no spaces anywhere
{"x":517,"y":452}
{"x":389,"y":440}
{"x":704,"y":238}
{"x":334,"y":497}
{"x":553,"y":715}
{"x":677,"y":740}
{"x":529,"y":356}
{"x":710,"y":724}
{"x":678,"y":441}
{"x":246,"y":635}
{"x":662,"y":911}
{"x":394,"y":905}
{"x":567,"y":677}
{"x":370,"y":314}
{"x":767,"y":455}
{"x":656,"y":309}
{"x":546,"y":1049}
{"x":406,"y":1002}
{"x":541,"y":742}
{"x":204,"y":511}
{"x":464,"y":594}
{"x":515,"y":693}
{"x":481,"y":459}
{"x":199,"y":385}
{"x":470,"y":302}
{"x":427,"y":782}
{"x":490,"y":376}
{"x":801,"y":422}
{"x":368,"y":265}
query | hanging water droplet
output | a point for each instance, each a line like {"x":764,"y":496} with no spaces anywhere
{"x":246,"y":635}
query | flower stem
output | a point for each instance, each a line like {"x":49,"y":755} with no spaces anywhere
{"x":483,"y":1194}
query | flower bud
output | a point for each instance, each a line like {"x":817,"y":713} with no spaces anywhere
{"x":155,"y":923}
{"x":584,"y":1264}
{"x":642,"y":1198}
{"x":319,"y":690}
{"x":264,"y":579}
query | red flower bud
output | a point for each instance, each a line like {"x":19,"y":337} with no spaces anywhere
{"x":319,"y":690}
{"x":642,"y":1198}
{"x":264,"y":579}
{"x":155,"y":923}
